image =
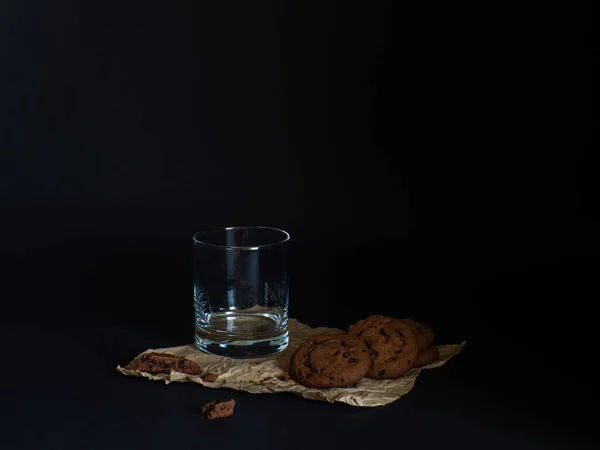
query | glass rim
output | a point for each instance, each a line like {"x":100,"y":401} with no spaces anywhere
{"x":286,"y":237}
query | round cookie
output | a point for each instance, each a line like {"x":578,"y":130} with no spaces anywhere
{"x":423,"y":333}
{"x":393,"y":345}
{"x":330,"y":361}
{"x":427,"y":356}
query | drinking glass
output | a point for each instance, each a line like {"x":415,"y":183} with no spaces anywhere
{"x":241,"y":291}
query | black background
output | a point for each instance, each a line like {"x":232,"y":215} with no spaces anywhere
{"x":430,"y":160}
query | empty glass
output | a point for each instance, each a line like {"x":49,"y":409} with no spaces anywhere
{"x":241,"y":291}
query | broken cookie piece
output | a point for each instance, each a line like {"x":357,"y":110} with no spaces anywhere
{"x":218,"y":410}
{"x":165,"y":363}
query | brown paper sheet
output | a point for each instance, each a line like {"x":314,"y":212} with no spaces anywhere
{"x":260,"y":376}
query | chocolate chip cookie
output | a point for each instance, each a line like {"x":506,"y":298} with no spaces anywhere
{"x":165,"y":363}
{"x":423,"y":333}
{"x":330,"y":361}
{"x":427,"y":356}
{"x":392,"y":344}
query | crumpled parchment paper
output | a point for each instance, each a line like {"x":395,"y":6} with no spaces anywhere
{"x":260,"y":376}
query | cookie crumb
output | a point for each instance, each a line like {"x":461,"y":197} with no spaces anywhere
{"x":210,"y":377}
{"x":218,"y":410}
{"x":285,"y":377}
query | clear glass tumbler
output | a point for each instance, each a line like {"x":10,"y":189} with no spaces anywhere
{"x":241,"y":291}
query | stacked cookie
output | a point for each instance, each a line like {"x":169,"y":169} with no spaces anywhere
{"x":376,"y":347}
{"x":428,"y":353}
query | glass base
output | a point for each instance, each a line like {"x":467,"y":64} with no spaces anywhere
{"x":242,"y":334}
{"x":231,"y":345}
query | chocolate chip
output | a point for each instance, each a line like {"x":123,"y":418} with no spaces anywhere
{"x":336,"y":353}
{"x":343,"y":342}
{"x":373,"y":352}
{"x":332,"y":378}
{"x":381,"y":373}
{"x":345,"y":355}
{"x":383,"y":333}
{"x":409,"y":361}
{"x":398,"y":351}
{"x":342,"y":379}
{"x":352,"y":360}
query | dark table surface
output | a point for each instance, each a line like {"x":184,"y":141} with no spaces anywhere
{"x":360,"y":127}
{"x":521,"y":382}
